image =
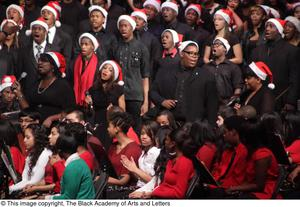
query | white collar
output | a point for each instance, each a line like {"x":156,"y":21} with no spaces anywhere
{"x":71,"y":158}
{"x":43,"y":44}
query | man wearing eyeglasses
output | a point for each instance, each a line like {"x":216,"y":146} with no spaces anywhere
{"x":187,"y":90}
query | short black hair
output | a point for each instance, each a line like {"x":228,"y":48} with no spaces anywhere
{"x":123,"y":120}
{"x":31,"y":113}
{"x":66,"y":143}
{"x":78,"y":131}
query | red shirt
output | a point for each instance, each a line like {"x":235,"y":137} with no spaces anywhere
{"x":18,"y":159}
{"x":272,"y":173}
{"x":176,"y":179}
{"x":294,"y":151}
{"x":132,"y":135}
{"x":236,"y":174}
{"x":88,"y":158}
{"x":206,"y":154}
{"x":54,"y":173}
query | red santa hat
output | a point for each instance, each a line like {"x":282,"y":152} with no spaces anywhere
{"x":103,"y":11}
{"x":155,"y":3}
{"x":40,"y":21}
{"x":270,"y":11}
{"x":91,"y":37}
{"x":295,"y":21}
{"x":55,"y":9}
{"x":118,"y":75}
{"x":177,"y":38}
{"x":170,"y":4}
{"x":296,"y":5}
{"x":196,"y":7}
{"x":107,"y":1}
{"x":7,"y":81}
{"x":226,"y":14}
{"x":16,"y":7}
{"x":128,"y":19}
{"x":59,"y":61}
{"x":262,"y":71}
{"x":279,"y":24}
{"x":184,"y":45}
{"x":6,"y":21}
{"x":224,"y":42}
{"x":140,"y":13}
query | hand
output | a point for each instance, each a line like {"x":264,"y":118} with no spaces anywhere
{"x":109,"y":106}
{"x":144,"y":108}
{"x":29,"y":189}
{"x":231,"y":191}
{"x":237,"y":106}
{"x":147,"y":195}
{"x":16,"y":88}
{"x":88,"y":99}
{"x":294,"y":174}
{"x":54,"y":159}
{"x":128,"y":164}
{"x":169,"y":104}
{"x":136,"y":194}
{"x":220,"y":121}
{"x":47,"y":123}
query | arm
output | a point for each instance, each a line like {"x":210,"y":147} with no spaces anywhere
{"x":20,"y":96}
{"x":122,"y":181}
{"x":238,"y":55}
{"x":237,"y":21}
{"x":145,"y":105}
{"x":121,"y":102}
{"x":206,"y":56}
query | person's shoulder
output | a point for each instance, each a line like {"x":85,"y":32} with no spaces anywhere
{"x":154,"y":151}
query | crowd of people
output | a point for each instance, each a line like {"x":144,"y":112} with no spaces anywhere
{"x":143,"y":98}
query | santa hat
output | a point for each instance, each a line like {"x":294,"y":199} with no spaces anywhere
{"x":184,"y":45}
{"x":7,"y":81}
{"x":296,"y":5}
{"x":107,"y":1}
{"x":59,"y":61}
{"x":140,"y":13}
{"x":128,"y":19}
{"x":117,"y":70}
{"x":279,"y":24}
{"x":196,"y":7}
{"x":91,"y":37}
{"x":6,"y":21}
{"x":155,"y":3}
{"x":226,"y":14}
{"x":55,"y":9}
{"x":103,"y":12}
{"x":224,"y":42}
{"x":40,"y":21}
{"x":262,"y":71}
{"x":295,"y":21}
{"x":16,"y":7}
{"x":270,"y":11}
{"x":169,"y":4}
{"x":177,"y":38}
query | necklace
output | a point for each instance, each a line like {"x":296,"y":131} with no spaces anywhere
{"x":42,"y":90}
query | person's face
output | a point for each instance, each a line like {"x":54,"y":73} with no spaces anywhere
{"x":168,"y":14}
{"x":6,"y":26}
{"x":14,"y":15}
{"x":233,"y":4}
{"x":163,"y":120}
{"x":260,"y":2}
{"x":7,"y":95}
{"x":289,"y":30}
{"x":44,"y":66}
{"x":228,"y":135}
{"x":25,"y":121}
{"x":297,"y":12}
{"x":271,"y":32}
{"x":112,"y":130}
{"x":151,"y":12}
{"x":140,"y":23}
{"x":107,"y":72}
{"x":125,"y":29}
{"x":29,"y":139}
{"x":99,"y":3}
{"x":218,"y":49}
{"x":189,"y":56}
{"x":49,"y":17}
{"x":257,"y":16}
{"x":169,"y":144}
{"x":96,"y":19}
{"x":167,"y":40}
{"x":219,"y":22}
{"x":191,"y":17}
{"x":252,"y":82}
{"x":53,"y":136}
{"x":38,"y":33}
{"x":145,"y":139}
{"x":87,"y":47}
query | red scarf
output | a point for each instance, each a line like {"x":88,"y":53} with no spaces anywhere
{"x":83,"y":81}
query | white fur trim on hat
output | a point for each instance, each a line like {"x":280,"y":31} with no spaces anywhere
{"x":225,"y":43}
{"x":277,"y":25}
{"x":36,"y":22}
{"x":139,"y":14}
{"x":92,"y":38}
{"x":128,"y":19}
{"x":103,"y":11}
{"x":258,"y":71}
{"x":114,"y":65}
{"x":154,"y":3}
{"x":174,"y":35}
{"x":295,"y":21}
{"x":296,"y":5}
{"x":170,"y":5}
{"x":6,"y":21}
{"x":184,"y":44}
{"x":224,"y":15}
{"x":196,"y":9}
{"x":54,"y":12}
{"x":54,"y":57}
{"x":16,"y":7}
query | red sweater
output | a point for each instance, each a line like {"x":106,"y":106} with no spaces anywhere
{"x":176,"y":179}
{"x":54,"y":173}
{"x":88,"y":158}
{"x":236,"y":174}
{"x":206,"y":154}
{"x":18,"y":159}
{"x":294,"y":151}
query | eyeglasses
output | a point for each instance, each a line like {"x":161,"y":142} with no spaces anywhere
{"x":217,"y":44}
{"x":190,"y":53}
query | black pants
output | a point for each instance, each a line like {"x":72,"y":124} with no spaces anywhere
{"x":134,"y":108}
